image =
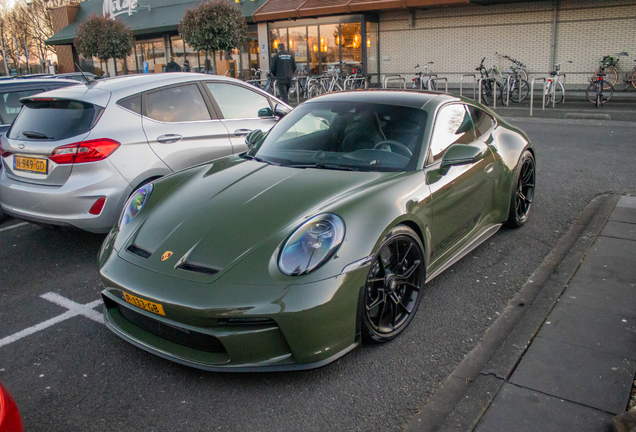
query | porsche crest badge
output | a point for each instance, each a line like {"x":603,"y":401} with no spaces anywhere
{"x":166,"y":255}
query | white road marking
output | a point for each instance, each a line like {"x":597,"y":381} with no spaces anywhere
{"x":74,"y":309}
{"x":14,"y":226}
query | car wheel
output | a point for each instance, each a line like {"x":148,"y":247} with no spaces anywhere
{"x":523,"y":193}
{"x":393,"y":288}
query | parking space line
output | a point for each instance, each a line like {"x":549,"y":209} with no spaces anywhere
{"x":14,"y":226}
{"x":74,"y":309}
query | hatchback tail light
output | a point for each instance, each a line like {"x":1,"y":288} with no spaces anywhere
{"x":85,"y":151}
{"x":3,"y":152}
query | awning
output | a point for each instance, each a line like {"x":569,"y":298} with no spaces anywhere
{"x":274,"y":10}
{"x":146,"y":17}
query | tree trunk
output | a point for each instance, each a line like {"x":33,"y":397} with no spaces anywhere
{"x":115,"y":64}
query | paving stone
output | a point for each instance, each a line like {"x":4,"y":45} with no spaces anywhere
{"x":517,"y":409}
{"x":594,"y":329}
{"x":620,"y":230}
{"x":577,"y":374}
{"x":610,"y":258}
{"x":608,"y":296}
{"x":625,"y":210}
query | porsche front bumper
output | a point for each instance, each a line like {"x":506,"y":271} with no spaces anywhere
{"x":231,"y":327}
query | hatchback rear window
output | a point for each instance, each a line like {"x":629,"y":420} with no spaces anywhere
{"x":54,"y":120}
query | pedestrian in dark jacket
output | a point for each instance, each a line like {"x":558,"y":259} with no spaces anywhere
{"x":283,"y":68}
{"x":173,"y":66}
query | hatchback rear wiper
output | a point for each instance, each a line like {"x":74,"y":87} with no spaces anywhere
{"x":30,"y":134}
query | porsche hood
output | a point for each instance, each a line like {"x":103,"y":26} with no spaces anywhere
{"x":210,"y":221}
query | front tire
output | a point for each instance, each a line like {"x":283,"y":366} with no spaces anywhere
{"x":523,"y":192}
{"x":394,"y":284}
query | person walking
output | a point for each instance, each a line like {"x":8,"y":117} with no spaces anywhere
{"x":186,"y":66}
{"x":283,"y":68}
{"x":173,"y":66}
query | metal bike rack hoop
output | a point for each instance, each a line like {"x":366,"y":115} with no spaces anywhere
{"x":532,"y":93}
{"x":400,"y":79}
{"x":461,"y":84}
{"x":445,"y":82}
{"x":494,"y":93}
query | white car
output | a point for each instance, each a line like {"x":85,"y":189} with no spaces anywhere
{"x":73,"y":156}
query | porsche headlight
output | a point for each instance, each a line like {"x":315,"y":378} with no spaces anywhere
{"x":135,"y":203}
{"x":313,"y":243}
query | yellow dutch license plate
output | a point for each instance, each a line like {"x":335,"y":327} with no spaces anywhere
{"x":30,"y":164}
{"x":144,"y":304}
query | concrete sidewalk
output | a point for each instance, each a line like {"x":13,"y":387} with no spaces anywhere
{"x":563,"y":356}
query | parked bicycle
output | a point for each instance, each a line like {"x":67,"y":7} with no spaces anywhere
{"x":514,"y":87}
{"x":599,"y":91}
{"x":608,"y":66}
{"x":554,"y":90}
{"x":418,"y":81}
{"x":298,"y":88}
{"x":356,"y":79}
{"x":490,"y":88}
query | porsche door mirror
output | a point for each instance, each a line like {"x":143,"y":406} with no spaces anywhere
{"x":253,"y":138}
{"x":281,"y":110}
{"x":461,"y":154}
{"x":265,"y":112}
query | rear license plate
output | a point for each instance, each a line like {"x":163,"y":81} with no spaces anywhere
{"x":144,"y":304}
{"x":30,"y":164}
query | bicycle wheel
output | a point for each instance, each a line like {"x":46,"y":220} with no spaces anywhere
{"x":611,"y":75}
{"x":634,"y":78}
{"x":608,"y":92}
{"x":314,"y":90}
{"x":432,"y":86}
{"x":523,"y":74}
{"x":590,"y":93}
{"x":486,"y":92}
{"x":522,"y":91}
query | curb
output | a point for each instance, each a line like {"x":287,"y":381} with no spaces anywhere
{"x":465,"y":395}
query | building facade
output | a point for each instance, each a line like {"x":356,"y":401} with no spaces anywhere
{"x":392,"y":36}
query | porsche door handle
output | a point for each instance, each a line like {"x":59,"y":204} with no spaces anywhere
{"x":490,"y":167}
{"x":169,"y":138}
{"x":242,"y":132}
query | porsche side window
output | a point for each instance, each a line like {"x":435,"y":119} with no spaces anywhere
{"x":176,"y":104}
{"x":482,"y":121}
{"x":452,"y":126}
{"x":237,"y":102}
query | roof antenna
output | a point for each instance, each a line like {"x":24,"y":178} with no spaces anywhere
{"x":85,"y":78}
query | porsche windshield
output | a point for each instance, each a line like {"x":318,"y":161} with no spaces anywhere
{"x":346,"y":136}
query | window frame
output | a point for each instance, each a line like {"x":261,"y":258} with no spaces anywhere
{"x":429,"y":156}
{"x":218,"y":109}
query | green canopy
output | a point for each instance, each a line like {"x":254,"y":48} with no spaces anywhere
{"x":142,"y":16}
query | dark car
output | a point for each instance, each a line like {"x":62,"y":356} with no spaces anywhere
{"x":11,"y":91}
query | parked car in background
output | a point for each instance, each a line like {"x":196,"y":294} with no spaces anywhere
{"x":73,"y":156}
{"x":77,"y":76}
{"x":11,"y":90}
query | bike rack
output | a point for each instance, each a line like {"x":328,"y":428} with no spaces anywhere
{"x":422,"y":80}
{"x":461,"y":84}
{"x":542,"y":93}
{"x":507,"y":84}
{"x":352,"y":80}
{"x":494,"y":93}
{"x":394,"y":77}
{"x":445,"y":82}
{"x":563,"y":101}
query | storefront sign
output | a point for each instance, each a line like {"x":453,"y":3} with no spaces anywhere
{"x":113,"y":8}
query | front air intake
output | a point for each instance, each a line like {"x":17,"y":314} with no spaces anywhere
{"x":139,"y":251}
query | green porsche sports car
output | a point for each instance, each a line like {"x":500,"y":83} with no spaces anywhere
{"x":318,"y":238}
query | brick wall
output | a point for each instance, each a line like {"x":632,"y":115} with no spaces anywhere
{"x":456,"y":39}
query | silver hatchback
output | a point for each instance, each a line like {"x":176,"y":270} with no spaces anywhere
{"x":73,"y":156}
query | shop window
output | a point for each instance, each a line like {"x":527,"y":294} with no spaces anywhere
{"x":372,"y":52}
{"x":193,"y":58}
{"x":276,"y":37}
{"x":314,"y":49}
{"x":237,"y":102}
{"x":176,"y":50}
{"x":298,"y":46}
{"x":351,"y":43}
{"x":329,"y":46}
{"x":176,"y":104}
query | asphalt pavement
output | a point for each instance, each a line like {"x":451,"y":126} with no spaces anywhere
{"x":71,"y":373}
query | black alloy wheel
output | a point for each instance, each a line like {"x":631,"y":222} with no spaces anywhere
{"x":394,"y":284}
{"x":523,"y":194}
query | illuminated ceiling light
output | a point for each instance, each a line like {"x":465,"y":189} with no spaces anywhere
{"x":369,"y":43}
{"x":315,"y":48}
{"x":276,"y":42}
